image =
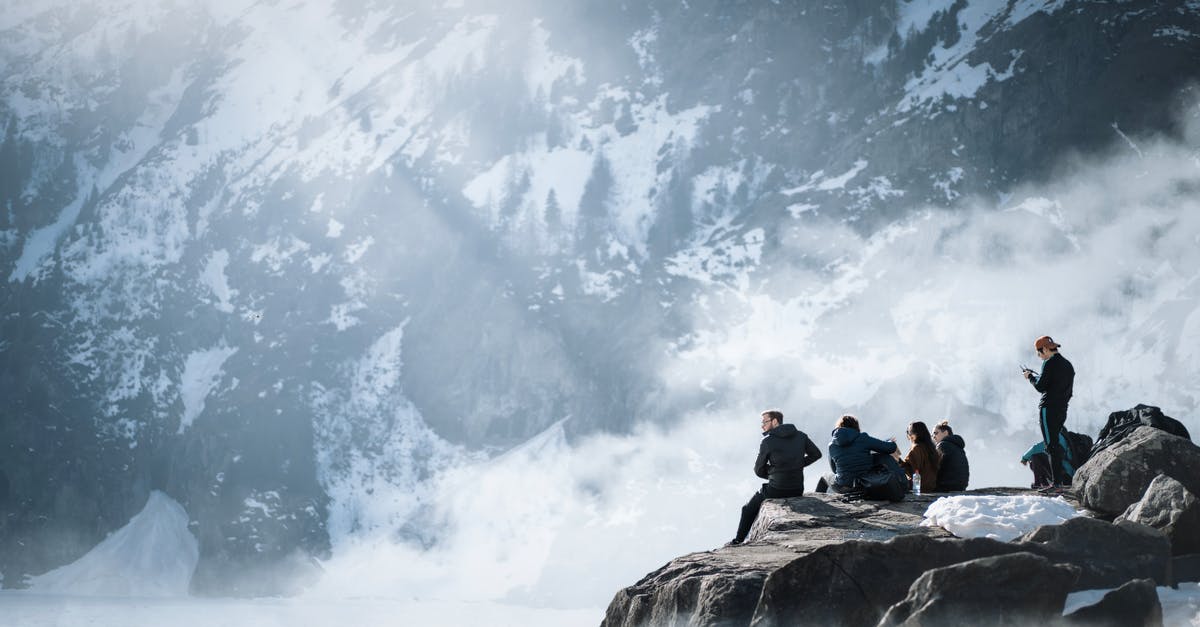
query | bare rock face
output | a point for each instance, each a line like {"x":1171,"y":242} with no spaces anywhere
{"x":1171,"y":508}
{"x":1017,"y":589}
{"x":822,"y":560}
{"x":854,"y":583}
{"x":723,"y":586}
{"x":1133,"y":604}
{"x":1107,"y":554}
{"x":1118,"y":476}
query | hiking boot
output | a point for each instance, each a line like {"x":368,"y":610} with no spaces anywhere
{"x":1055,"y":488}
{"x":733,"y":542}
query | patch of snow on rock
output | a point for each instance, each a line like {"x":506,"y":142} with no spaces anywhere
{"x":1000,"y":517}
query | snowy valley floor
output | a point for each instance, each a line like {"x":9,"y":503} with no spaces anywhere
{"x":43,"y":610}
{"x":1181,"y":608}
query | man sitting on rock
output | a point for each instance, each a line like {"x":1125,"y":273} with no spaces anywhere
{"x":782,"y":456}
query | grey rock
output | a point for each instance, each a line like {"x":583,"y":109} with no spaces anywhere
{"x":1117,"y":477}
{"x":722,"y":587}
{"x":854,"y":583}
{"x":1107,"y":554}
{"x":1017,"y":589}
{"x":1133,"y":604}
{"x":1185,"y":568}
{"x":1171,"y":508}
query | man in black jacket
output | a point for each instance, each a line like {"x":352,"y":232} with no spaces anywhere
{"x":1056,"y":383}
{"x":782,"y":456}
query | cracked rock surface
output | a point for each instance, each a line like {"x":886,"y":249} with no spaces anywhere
{"x":724,"y":586}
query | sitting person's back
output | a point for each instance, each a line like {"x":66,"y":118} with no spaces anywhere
{"x":954,"y":473}
{"x":851,"y":455}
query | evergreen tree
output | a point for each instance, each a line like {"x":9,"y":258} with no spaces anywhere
{"x":593,"y":206}
{"x":553,"y":214}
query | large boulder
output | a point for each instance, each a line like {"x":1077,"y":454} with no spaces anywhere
{"x":1185,"y":568}
{"x":710,"y":589}
{"x":722,"y":587}
{"x":1134,"y":604}
{"x":1017,"y":589}
{"x":854,"y":583}
{"x":1171,"y":508}
{"x":1117,"y":477}
{"x":1107,"y":554}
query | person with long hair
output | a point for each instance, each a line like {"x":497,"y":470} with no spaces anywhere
{"x":922,"y":457}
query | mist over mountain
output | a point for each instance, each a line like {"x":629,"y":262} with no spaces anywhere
{"x":293,"y":263}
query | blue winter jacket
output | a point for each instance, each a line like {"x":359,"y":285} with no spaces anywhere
{"x":850,"y":454}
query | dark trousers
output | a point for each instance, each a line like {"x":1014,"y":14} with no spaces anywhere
{"x":1040,"y":465}
{"x":750,"y":509}
{"x":825,"y":484}
{"x":1051,"y":420}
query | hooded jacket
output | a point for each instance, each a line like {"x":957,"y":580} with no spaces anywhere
{"x":954,"y":472}
{"x":850,"y":454}
{"x":782,"y":456}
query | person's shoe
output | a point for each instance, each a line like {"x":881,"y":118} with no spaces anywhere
{"x":1053,"y":488}
{"x":733,"y":542}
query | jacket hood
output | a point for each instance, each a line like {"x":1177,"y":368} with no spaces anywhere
{"x":787,"y":430}
{"x":843,"y":436}
{"x":957,"y":439}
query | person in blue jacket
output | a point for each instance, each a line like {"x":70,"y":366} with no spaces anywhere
{"x":1039,"y":462}
{"x":852,"y":453}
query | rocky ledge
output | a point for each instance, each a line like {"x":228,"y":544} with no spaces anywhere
{"x":825,"y":560}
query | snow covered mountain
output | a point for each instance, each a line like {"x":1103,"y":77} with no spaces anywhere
{"x":288,"y":261}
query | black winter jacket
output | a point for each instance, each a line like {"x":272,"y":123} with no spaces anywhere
{"x":1056,"y":382}
{"x":954,"y":471}
{"x":782,"y":456}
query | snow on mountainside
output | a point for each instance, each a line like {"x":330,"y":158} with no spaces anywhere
{"x":227,"y":225}
{"x":153,"y":555}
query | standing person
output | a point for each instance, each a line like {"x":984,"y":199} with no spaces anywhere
{"x":922,"y":457}
{"x":782,"y":456}
{"x":852,"y":454}
{"x":1056,"y":383}
{"x":954,"y":471}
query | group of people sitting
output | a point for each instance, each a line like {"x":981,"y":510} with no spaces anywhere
{"x":939,"y":458}
{"x":785,"y":451}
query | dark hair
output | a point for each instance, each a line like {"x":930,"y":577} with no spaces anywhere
{"x":774,"y":414}
{"x":848,"y":421}
{"x":944,"y":426}
{"x":919,"y":429}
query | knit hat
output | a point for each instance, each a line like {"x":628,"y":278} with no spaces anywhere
{"x":1046,"y":342}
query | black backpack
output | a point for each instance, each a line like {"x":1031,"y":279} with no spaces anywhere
{"x":1080,"y":445}
{"x":881,"y":484}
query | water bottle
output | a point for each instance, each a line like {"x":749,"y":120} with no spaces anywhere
{"x":916,"y":483}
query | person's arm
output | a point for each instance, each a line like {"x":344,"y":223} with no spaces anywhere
{"x":1041,"y":382}
{"x":811,"y":452}
{"x":879,"y":446}
{"x":1033,"y":450}
{"x":762,"y":465}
